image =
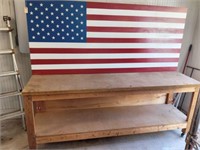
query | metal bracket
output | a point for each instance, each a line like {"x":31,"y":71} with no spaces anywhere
{"x":6,"y":18}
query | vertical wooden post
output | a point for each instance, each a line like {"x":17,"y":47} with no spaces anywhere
{"x":191,"y":109}
{"x":30,"y":122}
{"x":169,"y":99}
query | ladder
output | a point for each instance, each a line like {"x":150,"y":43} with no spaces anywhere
{"x":14,"y":73}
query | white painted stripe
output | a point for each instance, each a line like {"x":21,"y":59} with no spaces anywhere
{"x":99,"y":66}
{"x":102,"y":23}
{"x":119,"y":12}
{"x":133,"y":35}
{"x":103,"y":45}
{"x":104,"y":56}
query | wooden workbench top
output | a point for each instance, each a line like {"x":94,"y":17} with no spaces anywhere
{"x":58,"y":84}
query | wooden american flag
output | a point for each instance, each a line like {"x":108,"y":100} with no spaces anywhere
{"x":71,"y":37}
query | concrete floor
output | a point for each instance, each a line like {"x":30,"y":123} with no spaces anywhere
{"x":13,"y":137}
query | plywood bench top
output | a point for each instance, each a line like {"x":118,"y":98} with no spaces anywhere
{"x":59,"y":84}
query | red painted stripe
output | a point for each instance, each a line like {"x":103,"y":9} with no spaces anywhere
{"x":135,"y":18}
{"x":99,"y":61}
{"x":135,"y":7}
{"x":75,"y":51}
{"x":94,"y":71}
{"x":129,"y":29}
{"x":133,"y":40}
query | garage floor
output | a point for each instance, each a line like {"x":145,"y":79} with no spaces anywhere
{"x":13,"y":137}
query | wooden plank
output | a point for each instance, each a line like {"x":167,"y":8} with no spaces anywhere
{"x":192,"y":109}
{"x":115,"y":101}
{"x":30,"y":121}
{"x":101,"y":134}
{"x":58,"y":84}
{"x":102,"y":122}
{"x":50,"y":97}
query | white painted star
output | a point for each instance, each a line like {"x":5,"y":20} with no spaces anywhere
{"x":57,"y":26}
{"x":77,"y":34}
{"x":43,"y":37}
{"x":42,"y":29}
{"x":32,"y":29}
{"x":47,"y":26}
{"x":67,"y":26}
{"x":52,"y":21}
{"x":38,"y":33}
{"x":31,"y":21}
{"x":61,"y":5}
{"x":46,"y":9}
{"x":53,"y":37}
{"x":66,"y":10}
{"x":77,"y":26}
{"x":62,"y":22}
{"x":62,"y":14}
{"x":57,"y":17}
{"x":33,"y":37}
{"x":81,"y":30}
{"x":37,"y":25}
{"x":76,"y":18}
{"x":42,"y":21}
{"x":56,"y":9}
{"x":72,"y":30}
{"x":71,"y":6}
{"x":72,"y":38}
{"x":81,"y":14}
{"x":51,"y":5}
{"x":72,"y":14}
{"x":81,"y":6}
{"x":76,"y":10}
{"x":31,"y":13}
{"x":67,"y":18}
{"x":41,"y":4}
{"x":30,"y":4}
{"x":52,"y":13}
{"x":47,"y":17}
{"x":63,"y":30}
{"x":53,"y":30}
{"x":36,"y":8}
{"x":67,"y":34}
{"x":58,"y":34}
{"x":63,"y":37}
{"x":42,"y":13}
{"x":36,"y":17}
{"x":81,"y":22}
{"x":48,"y":33}
{"x":81,"y":38}
{"x":72,"y":22}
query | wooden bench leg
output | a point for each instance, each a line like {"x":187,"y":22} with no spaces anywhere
{"x":169,"y":99}
{"x":30,"y":122}
{"x":191,"y":110}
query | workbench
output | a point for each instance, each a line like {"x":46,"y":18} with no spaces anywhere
{"x":76,"y":107}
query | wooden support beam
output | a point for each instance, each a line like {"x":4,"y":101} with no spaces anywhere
{"x":30,"y":121}
{"x":169,"y":99}
{"x":191,"y":109}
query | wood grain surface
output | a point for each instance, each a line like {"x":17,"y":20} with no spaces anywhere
{"x":91,"y":123}
{"x":58,"y":84}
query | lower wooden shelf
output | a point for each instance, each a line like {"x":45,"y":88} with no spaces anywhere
{"x":79,"y":124}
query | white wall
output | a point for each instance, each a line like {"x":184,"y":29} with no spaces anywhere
{"x":6,"y":8}
{"x":194,"y":59}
